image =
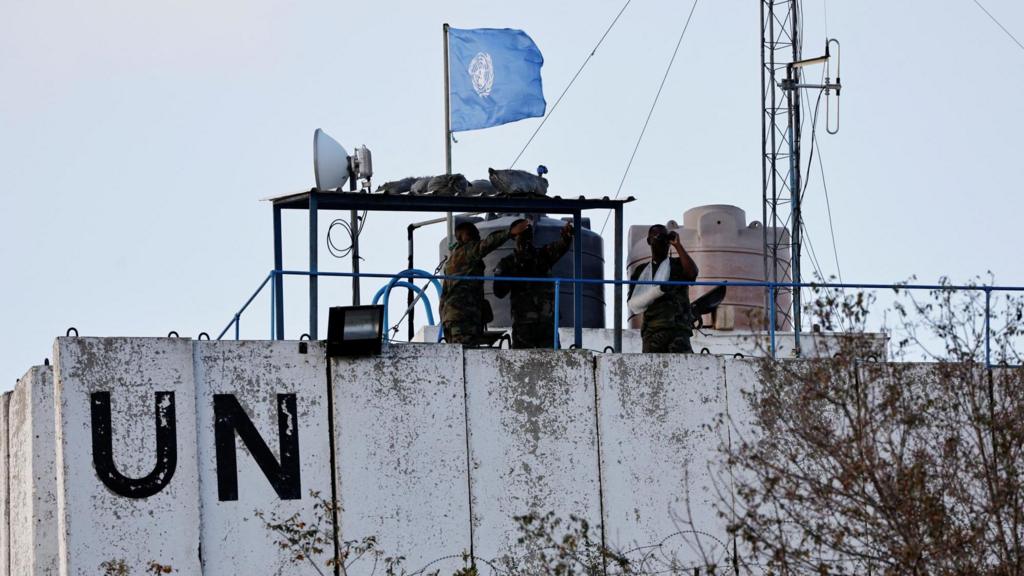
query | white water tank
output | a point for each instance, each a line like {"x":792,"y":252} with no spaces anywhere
{"x":725,"y":248}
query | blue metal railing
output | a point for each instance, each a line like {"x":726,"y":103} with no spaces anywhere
{"x":771,"y":287}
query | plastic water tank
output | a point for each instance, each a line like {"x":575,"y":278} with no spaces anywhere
{"x":546,"y":230}
{"x":725,"y":248}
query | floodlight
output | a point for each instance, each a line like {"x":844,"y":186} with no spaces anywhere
{"x":355,"y":330}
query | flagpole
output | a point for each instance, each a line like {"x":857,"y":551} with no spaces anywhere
{"x":447,"y":129}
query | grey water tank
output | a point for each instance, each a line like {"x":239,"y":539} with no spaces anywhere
{"x":545,"y":230}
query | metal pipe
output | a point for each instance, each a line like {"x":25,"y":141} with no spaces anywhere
{"x":410,"y":308}
{"x":771,"y":318}
{"x":617,"y":322}
{"x":249,"y":301}
{"x":273,"y":306}
{"x":354,"y":225}
{"x":558,"y":287}
{"x":988,"y":310}
{"x":278,"y":296}
{"x":448,"y":129}
{"x":237,"y":328}
{"x":577,"y":273}
{"x":313,"y":265}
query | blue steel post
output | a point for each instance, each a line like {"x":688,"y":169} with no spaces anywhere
{"x":237,"y":328}
{"x":617,"y":322}
{"x":273,"y":304}
{"x":771,"y":318}
{"x":577,"y":273}
{"x":558,"y":287}
{"x":278,"y":287}
{"x":313,"y":265}
{"x":988,"y":311}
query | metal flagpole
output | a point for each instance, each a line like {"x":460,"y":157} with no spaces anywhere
{"x":447,"y":129}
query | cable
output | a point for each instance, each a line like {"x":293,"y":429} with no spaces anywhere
{"x":571,"y":82}
{"x":333,"y":248}
{"x":831,"y":229}
{"x":650,"y":112}
{"x":998,"y":23}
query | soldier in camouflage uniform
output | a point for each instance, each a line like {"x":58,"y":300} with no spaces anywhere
{"x":667,"y":322}
{"x":533,"y":303}
{"x":464,"y":310}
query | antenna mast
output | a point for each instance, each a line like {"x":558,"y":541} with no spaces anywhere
{"x":780,"y":154}
{"x":781,"y":68}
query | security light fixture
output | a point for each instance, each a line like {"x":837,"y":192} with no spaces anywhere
{"x":355,"y":330}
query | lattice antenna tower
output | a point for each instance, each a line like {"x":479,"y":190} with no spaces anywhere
{"x":780,"y":151}
{"x":781,"y":65}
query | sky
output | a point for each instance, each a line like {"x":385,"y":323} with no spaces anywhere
{"x":137,"y":139}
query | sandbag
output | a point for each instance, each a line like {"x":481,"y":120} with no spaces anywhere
{"x":482,"y":188}
{"x":402,"y":186}
{"x":448,"y":185}
{"x":420,"y":186}
{"x":518,"y":182}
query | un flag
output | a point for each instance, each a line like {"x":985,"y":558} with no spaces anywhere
{"x":494,"y":77}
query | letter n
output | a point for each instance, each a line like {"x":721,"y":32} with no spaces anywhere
{"x":103,"y":448}
{"x":228,"y":419}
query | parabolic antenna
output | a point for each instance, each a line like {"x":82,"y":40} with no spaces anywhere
{"x":330,"y":161}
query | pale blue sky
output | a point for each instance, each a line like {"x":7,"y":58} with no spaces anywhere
{"x":137,"y":137}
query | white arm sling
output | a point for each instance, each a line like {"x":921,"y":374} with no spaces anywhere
{"x":645,"y":294}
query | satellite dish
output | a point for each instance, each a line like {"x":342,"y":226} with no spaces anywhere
{"x":330,"y":161}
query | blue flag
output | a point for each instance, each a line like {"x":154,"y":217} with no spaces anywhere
{"x":495,"y":77}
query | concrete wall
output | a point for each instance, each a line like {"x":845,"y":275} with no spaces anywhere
{"x":5,"y":493}
{"x":257,"y":374}
{"x":435,"y":451}
{"x":533,"y":441}
{"x":400,"y":431}
{"x":32,"y":478}
{"x":98,"y":524}
{"x":659,"y":440}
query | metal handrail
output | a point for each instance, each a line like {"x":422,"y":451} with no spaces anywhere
{"x":557,"y":281}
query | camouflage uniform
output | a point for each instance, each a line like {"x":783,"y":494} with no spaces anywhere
{"x":462,"y":301}
{"x":533,"y":303}
{"x":667,"y":322}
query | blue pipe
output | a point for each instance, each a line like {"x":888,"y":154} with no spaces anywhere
{"x":386,"y":292}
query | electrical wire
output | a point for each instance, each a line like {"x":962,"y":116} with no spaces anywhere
{"x":654,"y":104}
{"x":334,"y":249}
{"x":571,"y":82}
{"x":1000,"y":24}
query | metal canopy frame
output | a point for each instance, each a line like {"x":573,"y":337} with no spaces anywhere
{"x":316,"y":200}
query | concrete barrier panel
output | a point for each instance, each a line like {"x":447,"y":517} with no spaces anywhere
{"x":272,"y":383}
{"x":5,"y":493}
{"x":401,"y":453}
{"x":33,"y":475}
{"x":656,"y":450}
{"x":127,"y":482}
{"x":533,"y":441}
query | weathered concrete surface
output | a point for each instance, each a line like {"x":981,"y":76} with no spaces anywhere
{"x":724,"y":342}
{"x":5,"y":493}
{"x":33,"y":478}
{"x":235,"y":541}
{"x":657,"y":418}
{"x":97,"y":525}
{"x":401,"y":453}
{"x":533,"y":441}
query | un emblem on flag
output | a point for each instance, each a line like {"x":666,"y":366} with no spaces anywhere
{"x":481,"y":71}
